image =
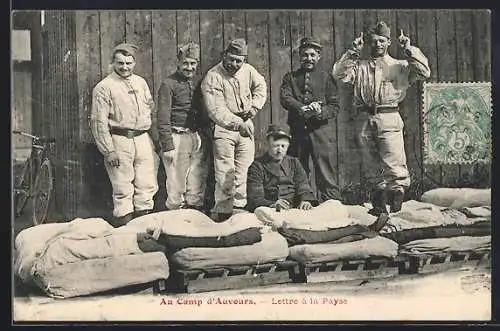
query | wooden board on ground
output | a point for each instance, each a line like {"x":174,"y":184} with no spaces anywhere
{"x":155,"y":287}
{"x":194,"y":281}
{"x":336,"y":271}
{"x":434,"y":263}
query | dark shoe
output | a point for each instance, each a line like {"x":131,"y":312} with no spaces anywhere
{"x":379,"y":201}
{"x":220,"y":217}
{"x":380,"y":222}
{"x":396,"y":200}
{"x":122,"y":220}
{"x":140,"y":213}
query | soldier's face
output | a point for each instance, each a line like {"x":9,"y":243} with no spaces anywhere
{"x":379,"y":45}
{"x":278,"y":147}
{"x":187,"y":67}
{"x":233,"y":62}
{"x":123,"y":64}
{"x":309,"y":57}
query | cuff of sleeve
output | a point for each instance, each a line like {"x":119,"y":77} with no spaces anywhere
{"x":298,"y":106}
{"x":408,"y":51}
{"x":353,"y":52}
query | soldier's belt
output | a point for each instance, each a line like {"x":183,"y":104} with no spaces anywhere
{"x":244,"y":116}
{"x":378,"y":110}
{"x":129,"y":133}
{"x":181,"y":129}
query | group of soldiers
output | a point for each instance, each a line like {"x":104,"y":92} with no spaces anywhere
{"x":200,"y":120}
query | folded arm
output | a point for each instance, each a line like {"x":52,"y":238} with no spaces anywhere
{"x":345,"y":68}
{"x":288,"y":99}
{"x":330,"y":107}
{"x":418,"y":64}
{"x":215,"y":104}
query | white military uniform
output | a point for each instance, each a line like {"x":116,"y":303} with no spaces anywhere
{"x":381,"y":83}
{"x":126,"y":103}
{"x":226,"y":98}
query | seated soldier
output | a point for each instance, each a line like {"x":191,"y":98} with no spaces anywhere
{"x":276,"y":179}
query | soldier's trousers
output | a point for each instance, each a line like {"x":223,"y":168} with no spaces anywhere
{"x":321,"y":145}
{"x":187,"y":171}
{"x":134,"y":181}
{"x":380,"y":138}
{"x":233,"y":155}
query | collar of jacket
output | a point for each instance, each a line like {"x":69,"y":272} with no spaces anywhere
{"x":225,"y":72}
{"x":182,"y":78}
{"x":274,"y":167}
{"x":373,"y":60}
{"x":302,"y":71}
{"x":117,"y":76}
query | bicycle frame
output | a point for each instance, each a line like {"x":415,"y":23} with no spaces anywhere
{"x":39,"y":151}
{"x":25,"y":187}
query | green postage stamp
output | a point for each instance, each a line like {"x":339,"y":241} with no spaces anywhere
{"x":457,"y":123}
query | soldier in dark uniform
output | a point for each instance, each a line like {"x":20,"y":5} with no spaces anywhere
{"x":310,"y":97}
{"x":278,"y":180}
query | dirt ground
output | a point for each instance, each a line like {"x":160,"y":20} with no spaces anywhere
{"x":452,"y":295}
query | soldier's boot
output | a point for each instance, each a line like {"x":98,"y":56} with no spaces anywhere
{"x":379,"y":201}
{"x":220,"y":217}
{"x":396,"y":200}
{"x":122,"y":220}
{"x":140,"y":213}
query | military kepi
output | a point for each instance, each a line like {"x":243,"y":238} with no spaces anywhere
{"x":278,"y":131}
{"x":380,"y":29}
{"x":190,"y":50}
{"x":126,"y":47}
{"x":237,"y":47}
{"x":312,"y":42}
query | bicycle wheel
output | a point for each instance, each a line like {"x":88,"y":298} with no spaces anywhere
{"x":22,"y":188}
{"x":42,"y":194}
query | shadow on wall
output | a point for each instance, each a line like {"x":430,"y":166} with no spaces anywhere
{"x":98,"y":201}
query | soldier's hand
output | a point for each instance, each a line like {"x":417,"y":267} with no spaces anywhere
{"x":358,"y":43}
{"x":168,"y":156}
{"x":245,"y":130}
{"x":404,"y":41}
{"x":305,"y":205}
{"x":112,"y":159}
{"x":281,"y":204}
{"x":316,"y":107}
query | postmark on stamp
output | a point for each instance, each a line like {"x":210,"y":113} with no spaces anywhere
{"x":457,"y":123}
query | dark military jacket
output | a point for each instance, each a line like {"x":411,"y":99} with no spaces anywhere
{"x":268,"y":181}
{"x":296,"y":91}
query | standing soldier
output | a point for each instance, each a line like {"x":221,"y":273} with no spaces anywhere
{"x":233,"y":92}
{"x":310,"y":97}
{"x":180,"y":122}
{"x":121,"y":115}
{"x":380,"y":85}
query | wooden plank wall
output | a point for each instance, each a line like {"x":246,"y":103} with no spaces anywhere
{"x":60,"y":115}
{"x":456,"y":43}
{"x":21,"y":112}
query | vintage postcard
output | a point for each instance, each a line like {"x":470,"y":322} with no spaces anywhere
{"x":251,"y":165}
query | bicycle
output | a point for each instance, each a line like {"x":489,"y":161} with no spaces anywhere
{"x":36,"y":180}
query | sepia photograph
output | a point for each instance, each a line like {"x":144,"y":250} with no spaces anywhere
{"x":251,"y":165}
